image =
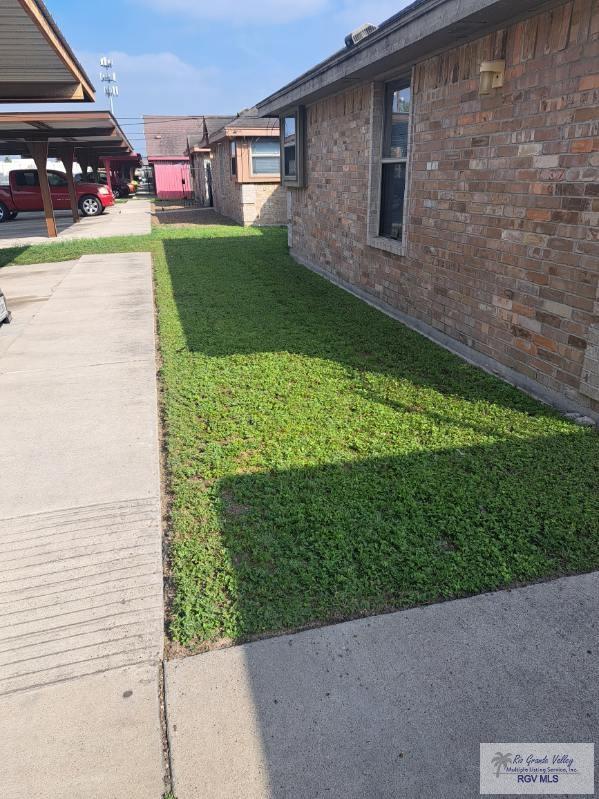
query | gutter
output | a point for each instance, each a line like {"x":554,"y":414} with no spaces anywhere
{"x":422,"y":30}
{"x":387,"y":27}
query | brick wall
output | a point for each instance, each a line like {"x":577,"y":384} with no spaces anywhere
{"x":247,"y":203}
{"x":226,"y":191}
{"x":502,"y":245}
{"x":265,"y":204}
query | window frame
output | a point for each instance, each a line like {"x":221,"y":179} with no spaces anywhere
{"x":298,"y":180}
{"x":233,"y":156}
{"x":379,"y":129}
{"x":262,"y":175}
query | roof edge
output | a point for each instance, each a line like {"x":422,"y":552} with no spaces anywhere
{"x":418,"y":31}
{"x":38,"y":12}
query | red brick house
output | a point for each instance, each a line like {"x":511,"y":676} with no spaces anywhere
{"x":245,"y":171}
{"x":446,"y":169}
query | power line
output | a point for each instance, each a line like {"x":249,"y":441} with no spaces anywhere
{"x":166,"y":121}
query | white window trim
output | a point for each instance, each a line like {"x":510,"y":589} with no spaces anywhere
{"x":377,"y":132}
{"x":276,"y":176}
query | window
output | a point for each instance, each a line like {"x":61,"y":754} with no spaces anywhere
{"x":27,"y":179}
{"x":233,"y":158}
{"x":292,"y":147}
{"x":266,"y":156}
{"x":289,"y":145}
{"x":394,"y":159}
{"x":56,"y":180}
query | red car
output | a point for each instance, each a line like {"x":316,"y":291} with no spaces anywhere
{"x":24,"y":194}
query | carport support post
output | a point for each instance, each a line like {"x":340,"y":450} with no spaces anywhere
{"x":83,"y":161}
{"x":39,"y":153}
{"x":94,"y":162}
{"x":67,"y":156}
{"x":107,"y":168}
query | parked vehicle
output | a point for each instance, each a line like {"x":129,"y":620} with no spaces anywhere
{"x":120,"y":188}
{"x":23,"y":193}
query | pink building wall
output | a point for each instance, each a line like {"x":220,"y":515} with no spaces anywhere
{"x":173,"y":178}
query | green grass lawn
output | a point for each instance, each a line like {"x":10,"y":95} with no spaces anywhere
{"x":327,"y":462}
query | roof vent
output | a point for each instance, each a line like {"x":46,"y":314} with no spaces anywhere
{"x":357,"y":36}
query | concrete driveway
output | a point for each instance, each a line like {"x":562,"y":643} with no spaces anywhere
{"x":132,"y":218}
{"x":81,"y":616}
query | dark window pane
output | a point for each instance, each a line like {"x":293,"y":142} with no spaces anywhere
{"x":56,"y":180}
{"x":290,"y":163}
{"x":233,"y":158}
{"x":392,"y":197}
{"x":29,"y":179}
{"x":397,"y":114}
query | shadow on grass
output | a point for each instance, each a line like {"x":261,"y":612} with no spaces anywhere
{"x":391,"y":504}
{"x":246,"y":295}
{"x":10,"y":254}
{"x":325,"y":543}
{"x":192,"y":216}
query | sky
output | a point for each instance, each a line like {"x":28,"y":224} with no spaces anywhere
{"x":197,"y":57}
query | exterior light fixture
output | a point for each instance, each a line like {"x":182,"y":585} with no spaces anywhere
{"x":491,"y":76}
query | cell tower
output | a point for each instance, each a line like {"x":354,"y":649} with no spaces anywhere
{"x":108,"y":78}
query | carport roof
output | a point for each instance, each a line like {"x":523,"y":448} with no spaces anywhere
{"x":96,"y":131}
{"x":36,"y":62}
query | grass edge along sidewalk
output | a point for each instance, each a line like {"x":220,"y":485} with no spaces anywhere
{"x":326,"y":462}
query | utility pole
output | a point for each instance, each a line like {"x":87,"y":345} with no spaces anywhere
{"x":108,"y":78}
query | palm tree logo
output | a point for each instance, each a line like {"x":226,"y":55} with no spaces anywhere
{"x":501,"y":760}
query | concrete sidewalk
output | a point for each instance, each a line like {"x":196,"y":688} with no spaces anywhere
{"x":133,"y":218}
{"x":81,"y":616}
{"x":390,"y":706}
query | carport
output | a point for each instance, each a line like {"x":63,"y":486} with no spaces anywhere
{"x":121,"y":166}
{"x":36,"y":62}
{"x":88,"y":138}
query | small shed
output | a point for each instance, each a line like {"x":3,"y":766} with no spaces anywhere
{"x":166,"y":143}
